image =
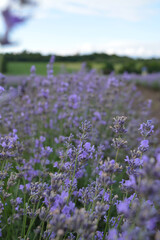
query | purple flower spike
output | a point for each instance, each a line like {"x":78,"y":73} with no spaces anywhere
{"x":4,"y":40}
{"x":123,"y":207}
{"x":52,"y":59}
{"x":11,"y":20}
{"x":144,"y":145}
{"x":33,"y":69}
{"x":1,"y":90}
{"x":112,"y":234}
{"x":146,"y":129}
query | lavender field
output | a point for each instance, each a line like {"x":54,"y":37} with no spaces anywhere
{"x":80,"y":158}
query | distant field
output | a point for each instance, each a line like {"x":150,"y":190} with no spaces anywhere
{"x":23,"y":68}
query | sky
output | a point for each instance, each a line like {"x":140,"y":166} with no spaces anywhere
{"x":65,"y":27}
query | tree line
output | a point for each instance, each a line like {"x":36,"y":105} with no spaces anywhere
{"x":119,"y":64}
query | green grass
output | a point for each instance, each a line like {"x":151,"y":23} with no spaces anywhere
{"x":23,"y":68}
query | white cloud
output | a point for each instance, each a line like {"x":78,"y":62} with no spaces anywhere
{"x":123,"y":9}
{"x":128,"y":48}
{"x":132,"y":10}
{"x":3,"y":3}
{"x":131,"y":48}
{"x":123,"y":47}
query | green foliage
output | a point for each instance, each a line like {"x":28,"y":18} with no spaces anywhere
{"x":4,"y":64}
{"x":153,"y":65}
{"x":23,"y":68}
{"x":108,"y":68}
{"x":88,"y":66}
{"x":107,"y":62}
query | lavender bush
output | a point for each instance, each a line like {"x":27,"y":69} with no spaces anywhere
{"x":78,"y":160}
{"x":152,"y":80}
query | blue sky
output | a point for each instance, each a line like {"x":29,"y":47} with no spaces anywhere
{"x":123,"y":27}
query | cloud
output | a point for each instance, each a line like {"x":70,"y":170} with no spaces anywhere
{"x":124,"y":9}
{"x":121,"y":47}
{"x":132,"y":10}
{"x":3,"y":3}
{"x":124,"y":47}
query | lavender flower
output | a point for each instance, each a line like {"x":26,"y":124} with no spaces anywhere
{"x":1,"y":90}
{"x":144,"y":145}
{"x":119,"y":143}
{"x":118,"y":124}
{"x":11,"y":21}
{"x":54,"y":184}
{"x":146,"y":129}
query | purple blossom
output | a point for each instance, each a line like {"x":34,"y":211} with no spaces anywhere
{"x":19,"y":200}
{"x":144,"y":145}
{"x":113,"y":234}
{"x":21,"y":187}
{"x":131,"y":183}
{"x":146,"y":129}
{"x":72,"y":191}
{"x":52,"y":59}
{"x":11,"y":21}
{"x":87,"y":146}
{"x":1,"y":90}
{"x":118,"y":125}
{"x":123,"y":207}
